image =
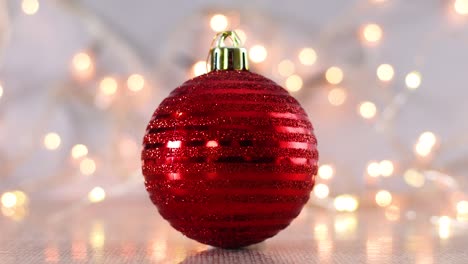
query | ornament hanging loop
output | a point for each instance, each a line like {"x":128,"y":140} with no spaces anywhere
{"x":222,"y":57}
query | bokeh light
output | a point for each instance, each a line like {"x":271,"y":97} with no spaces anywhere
{"x":307,"y":56}
{"x":1,"y":91}
{"x":425,"y":144}
{"x":413,"y":80}
{"x":334,"y":75}
{"x":199,"y":68}
{"x":337,"y":96}
{"x":321,"y":191}
{"x":87,"y":166}
{"x":82,"y":62}
{"x":383,"y":198}
{"x":372,"y":33}
{"x":30,"y":7}
{"x":286,"y":68}
{"x":135,"y":82}
{"x":462,"y":207}
{"x":258,"y":53}
{"x":346,"y":203}
{"x":385,"y":72}
{"x":97,"y":194}
{"x":461,"y":7}
{"x":79,"y":151}
{"x":52,"y":141}
{"x":367,"y":110}
{"x":294,"y":83}
{"x":219,"y":22}
{"x":9,"y":200}
{"x":108,"y":86}
{"x":386,"y":168}
{"x":373,"y":169}
{"x":326,"y":171}
{"x":414,"y":178}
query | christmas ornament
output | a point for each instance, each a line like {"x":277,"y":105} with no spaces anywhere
{"x":229,"y":157}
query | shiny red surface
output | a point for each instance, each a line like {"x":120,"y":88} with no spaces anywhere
{"x":229,"y":158}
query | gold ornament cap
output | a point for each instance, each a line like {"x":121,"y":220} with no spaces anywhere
{"x":222,"y":57}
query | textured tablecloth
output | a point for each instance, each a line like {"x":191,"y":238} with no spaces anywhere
{"x":117,"y":231}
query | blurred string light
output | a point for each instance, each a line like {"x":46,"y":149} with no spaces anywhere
{"x":82,"y":61}
{"x":413,"y":80}
{"x":414,"y":178}
{"x":461,"y":7}
{"x":326,"y":171}
{"x":334,"y":75}
{"x":383,"y":198}
{"x":385,"y":72}
{"x":52,"y":141}
{"x":286,"y":68}
{"x":337,"y":96}
{"x":372,"y":33}
{"x":258,"y":53}
{"x":96,"y":195}
{"x":425,"y":144}
{"x":135,"y":82}
{"x":307,"y":56}
{"x":87,"y":166}
{"x":373,"y":169}
{"x":30,"y":7}
{"x":294,"y":83}
{"x":346,"y":203}
{"x":79,"y":151}
{"x":386,"y":168}
{"x":367,"y":110}
{"x":199,"y":68}
{"x":1,"y":90}
{"x":219,"y":22}
{"x":321,"y":191}
{"x":108,"y":86}
{"x":9,"y":200}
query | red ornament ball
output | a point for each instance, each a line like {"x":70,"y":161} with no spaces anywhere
{"x":229,"y":158}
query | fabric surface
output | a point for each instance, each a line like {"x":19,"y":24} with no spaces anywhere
{"x":118,"y":231}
